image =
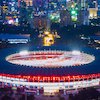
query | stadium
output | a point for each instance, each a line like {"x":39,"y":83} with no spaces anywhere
{"x":50,"y":68}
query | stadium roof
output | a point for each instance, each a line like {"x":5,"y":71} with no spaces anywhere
{"x":8,"y":68}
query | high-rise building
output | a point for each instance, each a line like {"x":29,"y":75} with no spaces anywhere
{"x":3,"y":9}
{"x":28,"y":2}
{"x":65,"y":18}
{"x":82,"y":12}
{"x":92,"y":4}
{"x":0,"y":12}
{"x":92,"y":13}
{"x":83,"y":17}
{"x":5,"y":6}
{"x":98,"y":8}
{"x":13,"y":6}
{"x":63,"y":2}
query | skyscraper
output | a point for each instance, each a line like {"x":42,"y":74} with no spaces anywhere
{"x":0,"y":11}
{"x":13,"y":5}
{"x":98,"y":8}
{"x":28,"y":2}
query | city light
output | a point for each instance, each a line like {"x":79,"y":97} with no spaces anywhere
{"x":11,"y":21}
{"x":73,"y":12}
{"x":54,"y":17}
{"x":74,"y":15}
{"x":74,"y":18}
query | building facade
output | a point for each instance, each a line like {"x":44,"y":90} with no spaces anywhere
{"x":93,"y":9}
{"x":99,"y":8}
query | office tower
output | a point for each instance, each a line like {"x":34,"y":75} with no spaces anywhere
{"x":13,"y":6}
{"x":28,"y":2}
{"x":65,"y":18}
{"x":98,"y":1}
{"x":0,"y":12}
{"x":83,"y":15}
{"x":3,"y":10}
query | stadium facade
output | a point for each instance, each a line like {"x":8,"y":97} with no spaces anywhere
{"x":46,"y":72}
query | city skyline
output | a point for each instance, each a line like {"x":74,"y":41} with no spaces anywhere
{"x":76,"y":11}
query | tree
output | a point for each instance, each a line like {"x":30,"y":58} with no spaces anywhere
{"x":87,"y":94}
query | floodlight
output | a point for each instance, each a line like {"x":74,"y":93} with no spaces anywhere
{"x":76,"y":52}
{"x":24,"y":52}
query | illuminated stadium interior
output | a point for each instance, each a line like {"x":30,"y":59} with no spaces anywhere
{"x":50,"y":59}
